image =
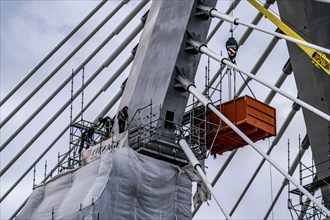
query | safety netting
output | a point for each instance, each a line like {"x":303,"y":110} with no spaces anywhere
{"x":118,"y":184}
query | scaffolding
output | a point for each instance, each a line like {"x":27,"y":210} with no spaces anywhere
{"x":83,"y":134}
{"x":148,"y":136}
{"x":318,"y":187}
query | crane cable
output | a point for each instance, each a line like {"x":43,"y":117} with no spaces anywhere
{"x":318,"y":58}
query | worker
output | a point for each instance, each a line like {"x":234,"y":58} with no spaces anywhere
{"x":232,"y":47}
{"x":82,"y":141}
{"x":106,"y":123}
{"x":86,"y":137}
{"x":122,"y":118}
{"x":89,"y":136}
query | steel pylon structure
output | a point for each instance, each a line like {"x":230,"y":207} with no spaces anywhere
{"x":86,"y":75}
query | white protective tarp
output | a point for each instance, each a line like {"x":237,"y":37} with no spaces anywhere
{"x":119,"y":184}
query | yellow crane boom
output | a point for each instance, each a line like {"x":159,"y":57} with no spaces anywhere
{"x":318,"y":58}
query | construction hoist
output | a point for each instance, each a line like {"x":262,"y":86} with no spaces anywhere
{"x":318,"y":58}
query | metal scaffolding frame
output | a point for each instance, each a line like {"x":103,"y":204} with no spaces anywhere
{"x":191,"y":88}
{"x":305,"y":208}
{"x":192,"y":127}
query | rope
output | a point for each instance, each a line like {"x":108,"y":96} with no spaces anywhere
{"x":231,"y":24}
{"x":271,"y":181}
{"x":82,"y":92}
{"x":247,"y":84}
{"x":213,"y":141}
{"x":71,"y":110}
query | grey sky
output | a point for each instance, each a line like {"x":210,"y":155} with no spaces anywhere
{"x":30,"y":29}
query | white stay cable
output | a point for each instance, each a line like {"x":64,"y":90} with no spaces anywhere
{"x":190,"y":87}
{"x":212,"y":12}
{"x":51,"y":53}
{"x":195,"y":163}
{"x":203,"y":49}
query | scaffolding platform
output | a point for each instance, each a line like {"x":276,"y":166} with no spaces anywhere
{"x":152,"y":144}
{"x":313,"y":186}
{"x":78,"y":143}
{"x":147,"y":136}
{"x":302,"y":206}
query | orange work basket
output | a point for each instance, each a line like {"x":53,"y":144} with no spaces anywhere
{"x":254,"y":118}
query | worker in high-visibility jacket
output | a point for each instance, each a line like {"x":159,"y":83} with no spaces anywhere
{"x":122,"y":118}
{"x":106,"y":123}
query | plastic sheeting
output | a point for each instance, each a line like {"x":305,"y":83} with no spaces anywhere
{"x":119,"y":184}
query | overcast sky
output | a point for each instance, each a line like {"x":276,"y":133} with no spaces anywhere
{"x":30,"y":29}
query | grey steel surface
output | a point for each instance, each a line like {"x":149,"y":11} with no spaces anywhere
{"x":311,"y":20}
{"x":161,"y":55}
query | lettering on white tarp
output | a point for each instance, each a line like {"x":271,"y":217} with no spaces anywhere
{"x":94,"y":152}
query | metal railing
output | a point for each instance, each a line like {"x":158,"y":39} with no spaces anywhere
{"x":79,"y":142}
{"x":305,"y":209}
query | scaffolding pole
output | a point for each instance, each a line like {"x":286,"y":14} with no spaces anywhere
{"x":108,"y":107}
{"x":304,"y":147}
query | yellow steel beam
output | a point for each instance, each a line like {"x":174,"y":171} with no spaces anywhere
{"x":318,"y":58}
